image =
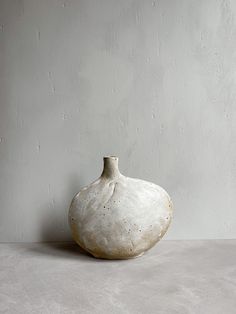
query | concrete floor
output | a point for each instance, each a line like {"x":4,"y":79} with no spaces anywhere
{"x":174,"y":277}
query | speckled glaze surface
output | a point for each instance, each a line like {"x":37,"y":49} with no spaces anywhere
{"x":117,"y":217}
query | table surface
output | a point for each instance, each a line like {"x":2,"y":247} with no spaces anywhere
{"x":174,"y":277}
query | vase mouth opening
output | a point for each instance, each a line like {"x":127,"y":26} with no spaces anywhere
{"x":110,"y":157}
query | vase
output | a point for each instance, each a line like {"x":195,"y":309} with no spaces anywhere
{"x":117,"y":217}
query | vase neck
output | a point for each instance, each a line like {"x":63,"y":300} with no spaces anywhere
{"x":110,"y":168}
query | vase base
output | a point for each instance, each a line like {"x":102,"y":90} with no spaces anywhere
{"x":117,"y":257}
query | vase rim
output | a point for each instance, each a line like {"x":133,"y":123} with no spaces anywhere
{"x":110,"y":157}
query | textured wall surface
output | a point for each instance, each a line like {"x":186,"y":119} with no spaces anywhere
{"x":152,"y":82}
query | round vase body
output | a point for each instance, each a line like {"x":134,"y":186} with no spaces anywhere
{"x":117,"y":217}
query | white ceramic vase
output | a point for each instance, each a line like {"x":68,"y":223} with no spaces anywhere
{"x":117,"y":217}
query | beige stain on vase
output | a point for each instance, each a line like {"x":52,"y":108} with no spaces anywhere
{"x":118,"y":217}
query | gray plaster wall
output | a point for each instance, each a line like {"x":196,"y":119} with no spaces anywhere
{"x":153,"y":82}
